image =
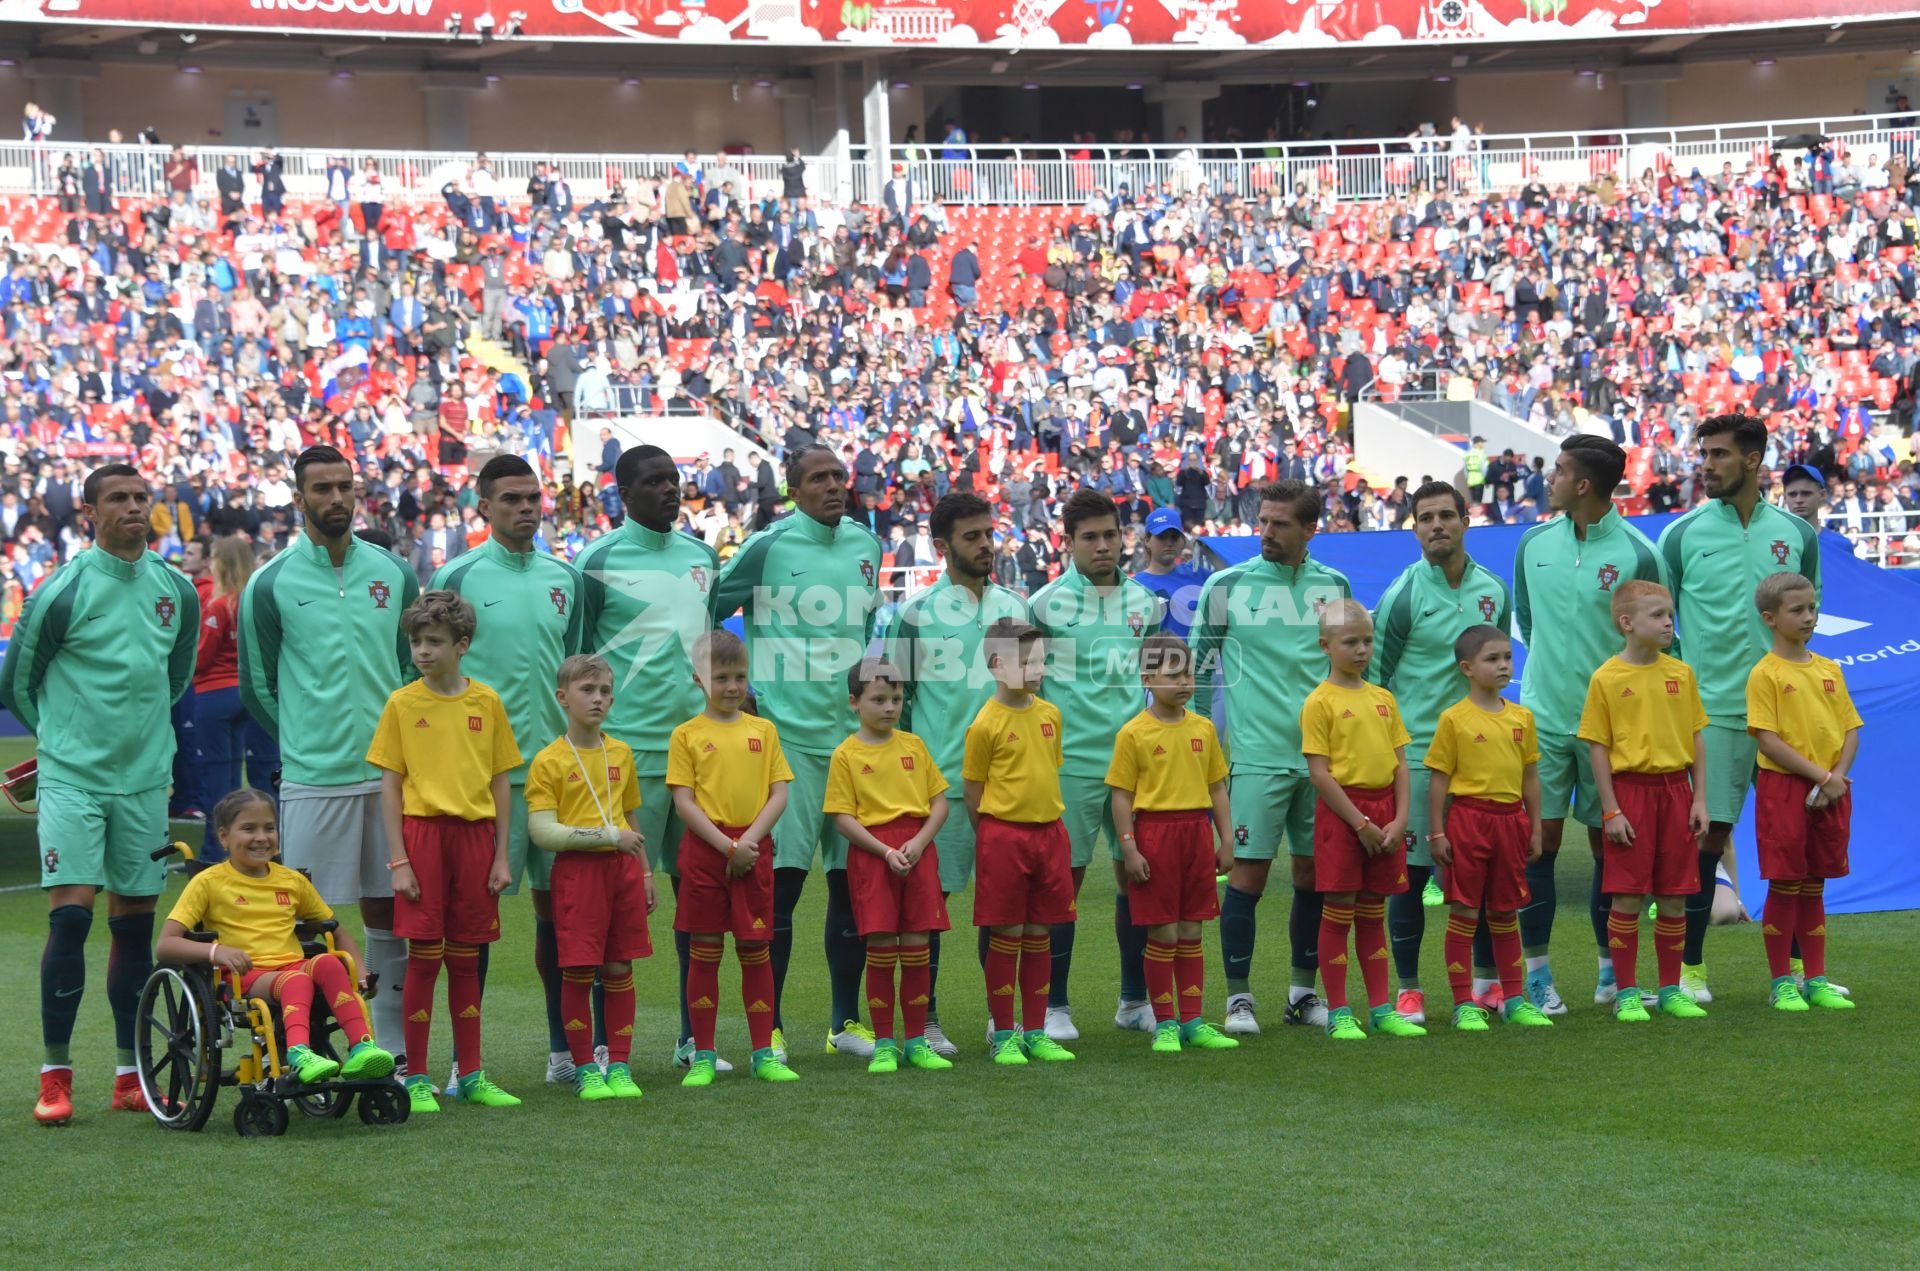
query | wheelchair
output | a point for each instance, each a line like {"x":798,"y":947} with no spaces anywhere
{"x":192,"y":1016}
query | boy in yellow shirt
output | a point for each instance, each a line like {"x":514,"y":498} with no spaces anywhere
{"x":1356,"y":749}
{"x":886,"y":797}
{"x":1483,"y":795}
{"x":581,"y":798}
{"x":1023,"y":873}
{"x":729,"y":781}
{"x":1799,"y":710}
{"x":445,"y":749}
{"x":1642,"y":723}
{"x":1167,"y":776}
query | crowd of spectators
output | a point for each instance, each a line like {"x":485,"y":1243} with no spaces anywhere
{"x":1173,"y":346}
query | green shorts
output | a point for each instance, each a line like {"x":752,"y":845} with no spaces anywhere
{"x":1267,"y":807}
{"x":102,"y":840}
{"x":1566,"y":779}
{"x":1731,"y":752}
{"x":660,"y":824}
{"x":522,"y":858}
{"x":954,"y":845}
{"x":803,"y":828}
{"x":1089,"y":817}
{"x":1420,"y":778}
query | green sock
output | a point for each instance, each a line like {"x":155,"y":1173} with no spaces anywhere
{"x":1378,"y":1012}
{"x":57,"y":1057}
{"x":124,"y":1058}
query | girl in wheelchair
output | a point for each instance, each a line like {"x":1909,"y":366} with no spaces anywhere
{"x":251,"y":905}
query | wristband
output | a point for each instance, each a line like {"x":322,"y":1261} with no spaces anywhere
{"x":732,"y":847}
{"x":397,"y":864}
{"x":1826,"y":778}
{"x":1434,"y":838}
{"x":1365,"y":821}
{"x":1126,"y":838}
{"x":1606,"y":816}
{"x":212,"y":949}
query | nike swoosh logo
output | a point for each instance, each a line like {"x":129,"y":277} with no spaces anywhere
{"x":304,"y":603}
{"x":1542,"y":564}
{"x":95,"y":617}
{"x":67,"y":992}
{"x":1704,"y":555}
{"x":797,"y":572}
{"x":1429,"y":613}
{"x":489,"y":604}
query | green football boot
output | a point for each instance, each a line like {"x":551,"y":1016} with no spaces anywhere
{"x":1825,"y":996}
{"x":1199,"y":1033}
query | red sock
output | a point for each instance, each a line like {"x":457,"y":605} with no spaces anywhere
{"x":1335,"y":922}
{"x":295,"y":988}
{"x":1370,"y":946}
{"x":703,"y":991}
{"x":576,"y":1012}
{"x":1458,"y":950}
{"x":1159,"y":967}
{"x":1623,"y":941}
{"x":1505,"y":931}
{"x":416,"y":998}
{"x":881,"y":960}
{"x":1669,"y":941}
{"x":916,"y":987}
{"x":1812,"y":926}
{"x":756,"y":991}
{"x":1778,"y":926}
{"x":1036,"y":977}
{"x":331,"y":980}
{"x":1003,"y":959}
{"x":463,"y":1004}
{"x":617,"y":1007}
{"x":1190,"y":973}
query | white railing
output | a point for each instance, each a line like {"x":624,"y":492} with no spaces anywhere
{"x":977,"y":174}
{"x":1888,"y":539}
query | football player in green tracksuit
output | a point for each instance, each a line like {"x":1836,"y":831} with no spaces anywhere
{"x":1258,"y":622}
{"x":1564,"y":573}
{"x":321,"y":650}
{"x":1093,"y":617}
{"x":1422,"y":613}
{"x":808,"y":589}
{"x":934,"y":638}
{"x":1715,"y":556}
{"x":647,"y":587}
{"x":102,"y":651}
{"x":530,"y":606}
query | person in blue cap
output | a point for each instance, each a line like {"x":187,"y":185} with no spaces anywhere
{"x":1169,"y":572}
{"x":1806,"y":492}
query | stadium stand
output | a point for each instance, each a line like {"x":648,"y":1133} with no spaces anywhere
{"x":1174,"y":328}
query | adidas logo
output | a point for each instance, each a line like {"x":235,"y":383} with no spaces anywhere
{"x":866,"y":770}
{"x":239,"y":900}
{"x":708,"y":748}
{"x":1672,"y":947}
{"x":1626,"y":692}
{"x":1346,"y":714}
{"x":419,"y":1017}
{"x":1789,"y":689}
{"x":1615,"y":942}
{"x":877,"y":1003}
{"x":1454,"y":968}
{"x":343,"y":999}
{"x":759,"y":924}
{"x":1159,"y":750}
{"x":1403,"y":878}
{"x":1770,"y":930}
{"x":1164,"y":997}
{"x":573,"y":776}
{"x":702,"y":1003}
{"x":1479,"y":736}
{"x":1340,"y":960}
{"x":1376,"y":955}
{"x":576,"y":1026}
{"x":625,"y":1032}
{"x":1820,"y":930}
{"x":758,"y":1008}
{"x":472,"y":1012}
{"x":1013,"y":736}
{"x":1005,"y":990}
{"x":1192,"y":990}
{"x":919,"y":1000}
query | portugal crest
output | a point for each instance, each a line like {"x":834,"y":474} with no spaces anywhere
{"x":165,"y":608}
{"x":1608,"y":577}
{"x":866,"y":570}
{"x":1780,"y":550}
{"x":559,"y":598}
{"x":1486,"y":608}
{"x":1136,"y":623}
{"x":1240,"y":835}
{"x":699,"y":575}
{"x":380,"y":592}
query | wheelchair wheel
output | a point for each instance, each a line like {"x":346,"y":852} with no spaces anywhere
{"x":259,"y":1117}
{"x":175,"y":1054}
{"x":384,"y":1105}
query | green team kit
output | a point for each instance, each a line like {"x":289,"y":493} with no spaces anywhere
{"x":1571,"y":579}
{"x":1714,"y":563}
{"x":1258,"y":623}
{"x":1093,"y":675}
{"x":94,"y":632}
{"x":1415,"y":625}
{"x":646,"y":604}
{"x":529,"y":609}
{"x":809,"y":594}
{"x":934,"y":638}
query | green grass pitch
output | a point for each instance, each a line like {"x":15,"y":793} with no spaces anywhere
{"x":1741,"y":1140}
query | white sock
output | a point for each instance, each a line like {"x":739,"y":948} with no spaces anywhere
{"x":56,"y":1067}
{"x":387,"y":955}
{"x":1480,"y":986}
{"x":1534,"y":964}
{"x":124,"y":1070}
{"x":1295,"y":993}
{"x":1606,"y":962}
